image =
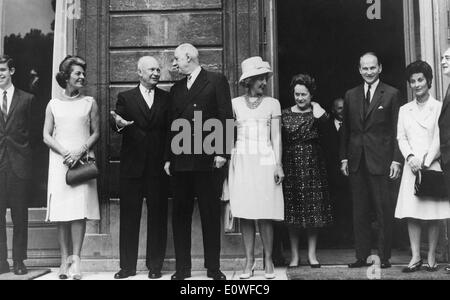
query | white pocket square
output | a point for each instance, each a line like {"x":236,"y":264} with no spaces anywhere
{"x":381,"y":107}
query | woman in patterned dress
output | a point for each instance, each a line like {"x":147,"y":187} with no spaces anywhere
{"x":305,"y":188}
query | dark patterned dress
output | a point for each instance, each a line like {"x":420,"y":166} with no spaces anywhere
{"x":306,"y":198}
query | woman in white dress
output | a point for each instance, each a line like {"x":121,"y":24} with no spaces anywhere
{"x":71,"y":129}
{"x":256,"y":173}
{"x":418,"y":138}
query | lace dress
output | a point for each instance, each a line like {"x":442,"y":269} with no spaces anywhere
{"x":305,"y":187}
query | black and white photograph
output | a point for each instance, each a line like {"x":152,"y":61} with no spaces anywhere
{"x":236,"y":141}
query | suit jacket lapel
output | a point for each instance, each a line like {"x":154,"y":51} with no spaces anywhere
{"x":155,"y":106}
{"x":196,"y":88}
{"x":360,"y":102}
{"x":2,"y":120}
{"x":198,"y":85}
{"x":14,"y":103}
{"x":142,"y":104}
{"x":446,"y":99}
{"x":379,"y":92}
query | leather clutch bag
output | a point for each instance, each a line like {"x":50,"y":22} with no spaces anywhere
{"x":84,"y":170}
{"x":430,"y":184}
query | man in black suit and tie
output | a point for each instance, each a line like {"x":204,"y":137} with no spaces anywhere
{"x":338,"y":183}
{"x":15,"y":165}
{"x":197,"y":173}
{"x":370,"y":157}
{"x":444,"y":127}
{"x":141,"y":116}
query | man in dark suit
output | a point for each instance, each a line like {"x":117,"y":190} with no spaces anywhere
{"x":444,"y":127}
{"x":199,"y":97}
{"x":370,"y":157}
{"x":141,"y":116}
{"x":15,"y":165}
{"x":338,"y":183}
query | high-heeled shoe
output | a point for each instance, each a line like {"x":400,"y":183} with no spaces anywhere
{"x":434,"y":268}
{"x":63,"y":272}
{"x":250,"y":274}
{"x":75,"y":270}
{"x":414,"y":268}
{"x":296,"y":266}
{"x":314,"y":266}
{"x":270,"y":275}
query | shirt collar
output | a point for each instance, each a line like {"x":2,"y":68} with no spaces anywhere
{"x":10,"y":91}
{"x":145,"y":90}
{"x":195,"y":73}
{"x":373,"y":87}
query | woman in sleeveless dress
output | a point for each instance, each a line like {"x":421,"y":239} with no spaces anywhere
{"x":71,"y":130}
{"x":255,"y":173}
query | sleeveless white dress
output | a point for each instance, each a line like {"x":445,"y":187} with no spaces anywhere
{"x":253,"y":192}
{"x":72,"y":130}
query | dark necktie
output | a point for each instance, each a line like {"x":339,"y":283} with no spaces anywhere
{"x":189,"y":81}
{"x":5,"y":105}
{"x":367,"y":100}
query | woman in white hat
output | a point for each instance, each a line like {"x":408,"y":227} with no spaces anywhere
{"x":256,"y":173}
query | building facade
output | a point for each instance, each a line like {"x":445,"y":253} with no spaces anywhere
{"x":323,"y":37}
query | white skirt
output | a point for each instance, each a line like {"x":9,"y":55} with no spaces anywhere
{"x":421,"y":208}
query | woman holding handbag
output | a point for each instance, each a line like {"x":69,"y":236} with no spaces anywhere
{"x":71,"y":130}
{"x":418,"y":138}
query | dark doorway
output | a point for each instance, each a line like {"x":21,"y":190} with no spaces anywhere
{"x":325,"y":38}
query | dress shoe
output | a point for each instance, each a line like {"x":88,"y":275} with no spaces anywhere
{"x":4,"y":267}
{"x":360,"y":263}
{"x":75,"y":268}
{"x":291,"y":266}
{"x":154,"y":275}
{"x":270,"y":276}
{"x":63,"y":272}
{"x":385,"y":264}
{"x":432,"y":269}
{"x":181,"y":275}
{"x":250,"y":274}
{"x":314,"y":266}
{"x":216,"y":275}
{"x":20,"y":268}
{"x":414,"y":268}
{"x":122,"y":274}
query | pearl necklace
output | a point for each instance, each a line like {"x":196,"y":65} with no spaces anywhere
{"x":255,"y":104}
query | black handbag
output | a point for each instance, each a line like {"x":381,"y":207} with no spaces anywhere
{"x":430,"y":184}
{"x":84,"y":170}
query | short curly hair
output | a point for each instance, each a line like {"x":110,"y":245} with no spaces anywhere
{"x":5,"y":59}
{"x":304,"y":79}
{"x":66,"y":67}
{"x":418,"y":67}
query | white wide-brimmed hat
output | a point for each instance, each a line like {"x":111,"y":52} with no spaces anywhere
{"x":254,"y":66}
